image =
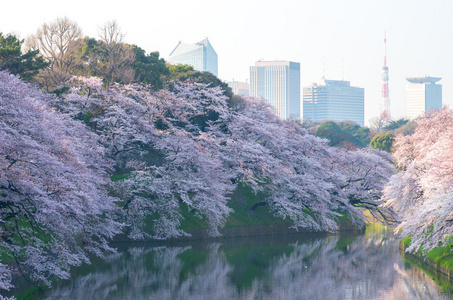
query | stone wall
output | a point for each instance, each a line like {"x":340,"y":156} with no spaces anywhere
{"x":244,"y":231}
{"x":436,"y":269}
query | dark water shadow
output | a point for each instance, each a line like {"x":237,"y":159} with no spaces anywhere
{"x":306,"y":266}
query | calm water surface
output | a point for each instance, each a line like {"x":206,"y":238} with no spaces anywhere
{"x":359,"y":266}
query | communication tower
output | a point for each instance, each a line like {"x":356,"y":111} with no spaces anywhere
{"x":385,"y":99}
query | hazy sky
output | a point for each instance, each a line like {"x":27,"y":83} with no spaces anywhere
{"x":332,"y":35}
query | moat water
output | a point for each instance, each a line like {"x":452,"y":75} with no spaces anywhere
{"x":310,"y":266}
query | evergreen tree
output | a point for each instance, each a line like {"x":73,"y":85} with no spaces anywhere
{"x":11,"y":58}
{"x":383,"y":141}
{"x":149,"y":69}
{"x":336,"y":135}
{"x":182,"y":72}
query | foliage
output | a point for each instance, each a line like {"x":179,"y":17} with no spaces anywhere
{"x":54,"y":208}
{"x":363,"y":135}
{"x":422,"y":192}
{"x":336,"y":135}
{"x":109,"y":57}
{"x":175,"y":70}
{"x":248,"y":209}
{"x":184,"y":72}
{"x":303,"y":178}
{"x":150,"y":136}
{"x":383,"y":141}
{"x":350,"y":127}
{"x":188,"y":146}
{"x":149,"y":69}
{"x":176,"y":152}
{"x":443,"y":255}
{"x":364,"y":173}
{"x":11,"y":58}
{"x":392,"y":125}
{"x":406,"y":129}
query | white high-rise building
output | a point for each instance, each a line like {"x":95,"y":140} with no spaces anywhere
{"x":278,"y":83}
{"x":422,"y":94}
{"x":240,"y":88}
{"x":201,"y":56}
{"x":334,"y":100}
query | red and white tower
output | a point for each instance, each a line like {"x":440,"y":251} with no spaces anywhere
{"x":385,"y":99}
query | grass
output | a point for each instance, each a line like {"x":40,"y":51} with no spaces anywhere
{"x":190,"y":220}
{"x":243,"y":201}
{"x":118,"y":177}
{"x":342,"y":218}
{"x":248,"y":209}
{"x":406,"y":241}
{"x":245,"y":212}
{"x":441,"y":255}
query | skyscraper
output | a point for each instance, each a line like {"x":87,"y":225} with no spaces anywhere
{"x":422,"y":94}
{"x":334,"y":100}
{"x":201,"y":56}
{"x":278,"y":83}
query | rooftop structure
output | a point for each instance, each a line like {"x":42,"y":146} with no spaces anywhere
{"x":422,"y":95}
{"x":201,"y":56}
{"x":426,"y":79}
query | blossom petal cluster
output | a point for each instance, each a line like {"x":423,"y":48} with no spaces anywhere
{"x":54,"y":207}
{"x":422,"y":192}
{"x":76,"y":170}
{"x":190,"y":146}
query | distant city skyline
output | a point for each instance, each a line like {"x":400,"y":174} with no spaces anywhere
{"x":338,"y":39}
{"x":278,"y":83}
{"x":201,"y":56}
{"x":334,"y":100}
{"x":239,"y":87}
{"x":422,"y":95}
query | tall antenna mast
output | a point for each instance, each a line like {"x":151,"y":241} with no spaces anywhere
{"x":385,"y":99}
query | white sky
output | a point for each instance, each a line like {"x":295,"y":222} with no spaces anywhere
{"x":316,"y":33}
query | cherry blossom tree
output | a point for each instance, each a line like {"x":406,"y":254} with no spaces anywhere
{"x":54,"y":206}
{"x":361,"y":176}
{"x":155,"y":140}
{"x":422,"y":192}
{"x":304,"y":178}
{"x":283,"y":161}
{"x":188,"y":146}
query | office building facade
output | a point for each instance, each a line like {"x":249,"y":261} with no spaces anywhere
{"x":240,"y":88}
{"x":278,"y":83}
{"x":422,"y":94}
{"x":201,"y":56}
{"x":334,"y":100}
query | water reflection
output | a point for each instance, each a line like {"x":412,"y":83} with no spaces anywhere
{"x":365,"y":266}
